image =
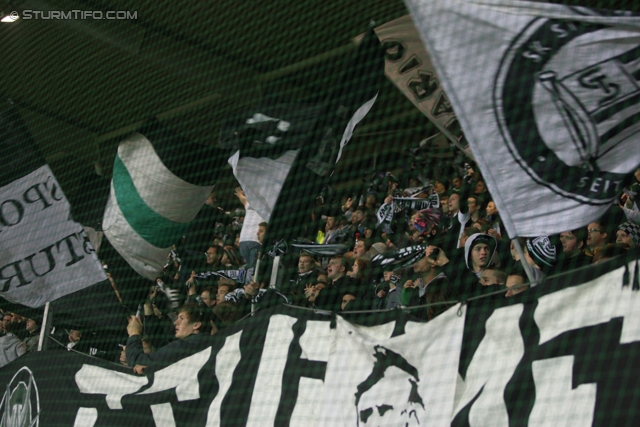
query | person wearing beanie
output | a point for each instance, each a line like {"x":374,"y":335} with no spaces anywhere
{"x":465,"y":264}
{"x":540,"y":253}
{"x":628,"y":233}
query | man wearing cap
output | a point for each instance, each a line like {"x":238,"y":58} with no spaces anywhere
{"x":628,"y":233}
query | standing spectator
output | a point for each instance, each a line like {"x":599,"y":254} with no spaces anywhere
{"x":250,"y":243}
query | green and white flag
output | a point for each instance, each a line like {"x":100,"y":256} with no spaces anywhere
{"x":150,"y":206}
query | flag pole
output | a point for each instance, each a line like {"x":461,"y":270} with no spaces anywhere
{"x":44,"y":328}
{"x":527,"y":267}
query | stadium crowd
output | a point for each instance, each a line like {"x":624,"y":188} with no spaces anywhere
{"x":399,"y":241}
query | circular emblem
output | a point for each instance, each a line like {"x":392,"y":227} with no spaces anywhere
{"x":567,"y":100}
{"x":20,"y":405}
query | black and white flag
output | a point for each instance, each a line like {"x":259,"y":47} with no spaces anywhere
{"x":408,"y":66}
{"x":45,"y":254}
{"x":548,"y":97}
{"x":284,"y":153}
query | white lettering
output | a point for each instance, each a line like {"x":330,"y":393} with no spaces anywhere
{"x":95,"y":380}
{"x":485,"y":376}
{"x":583,"y":181}
{"x":163,"y":415}
{"x":226,"y":361}
{"x":268,"y":386}
{"x":557,"y":402}
{"x":554,"y":317}
{"x":595,"y":184}
{"x":182,"y":375}
{"x":86,"y":417}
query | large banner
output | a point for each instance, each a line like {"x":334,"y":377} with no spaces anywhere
{"x":558,"y":354}
{"x":408,"y":66}
{"x":548,"y":98}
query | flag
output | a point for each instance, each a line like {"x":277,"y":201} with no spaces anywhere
{"x":265,"y":141}
{"x":548,"y":97}
{"x":408,"y":66}
{"x":160,"y":182}
{"x":45,"y":253}
{"x":348,"y":101}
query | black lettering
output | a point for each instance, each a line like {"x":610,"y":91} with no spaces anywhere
{"x":19,"y":211}
{"x":74,"y":256}
{"x":50,"y":259}
{"x":54,"y":190}
{"x":424,"y":87}
{"x":296,"y":368}
{"x":17,"y":273}
{"x":442,"y":106}
{"x":88,"y":248}
{"x":393,"y":50}
{"x":27,"y":198}
{"x":412,"y":63}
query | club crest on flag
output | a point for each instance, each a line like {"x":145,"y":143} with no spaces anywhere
{"x":555,"y":85}
{"x":20,"y":405}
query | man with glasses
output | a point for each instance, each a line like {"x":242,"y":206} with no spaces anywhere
{"x":596,"y":238}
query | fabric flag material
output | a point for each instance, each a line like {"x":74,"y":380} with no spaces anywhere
{"x":349,"y":99}
{"x":151,"y":203}
{"x":45,"y":254}
{"x":375,"y":379}
{"x":561,"y":354}
{"x":548,"y":98}
{"x":408,"y":66}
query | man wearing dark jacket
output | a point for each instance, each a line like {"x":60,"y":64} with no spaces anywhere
{"x":464,"y":266}
{"x":191,"y":328}
{"x":330,"y":298}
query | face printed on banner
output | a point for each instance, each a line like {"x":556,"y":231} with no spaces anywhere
{"x":376,"y":406}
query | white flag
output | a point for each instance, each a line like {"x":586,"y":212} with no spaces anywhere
{"x":44,"y":253}
{"x":374,"y":379}
{"x":548,"y":97}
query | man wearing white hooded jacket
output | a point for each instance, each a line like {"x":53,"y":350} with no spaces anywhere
{"x":464,"y":266}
